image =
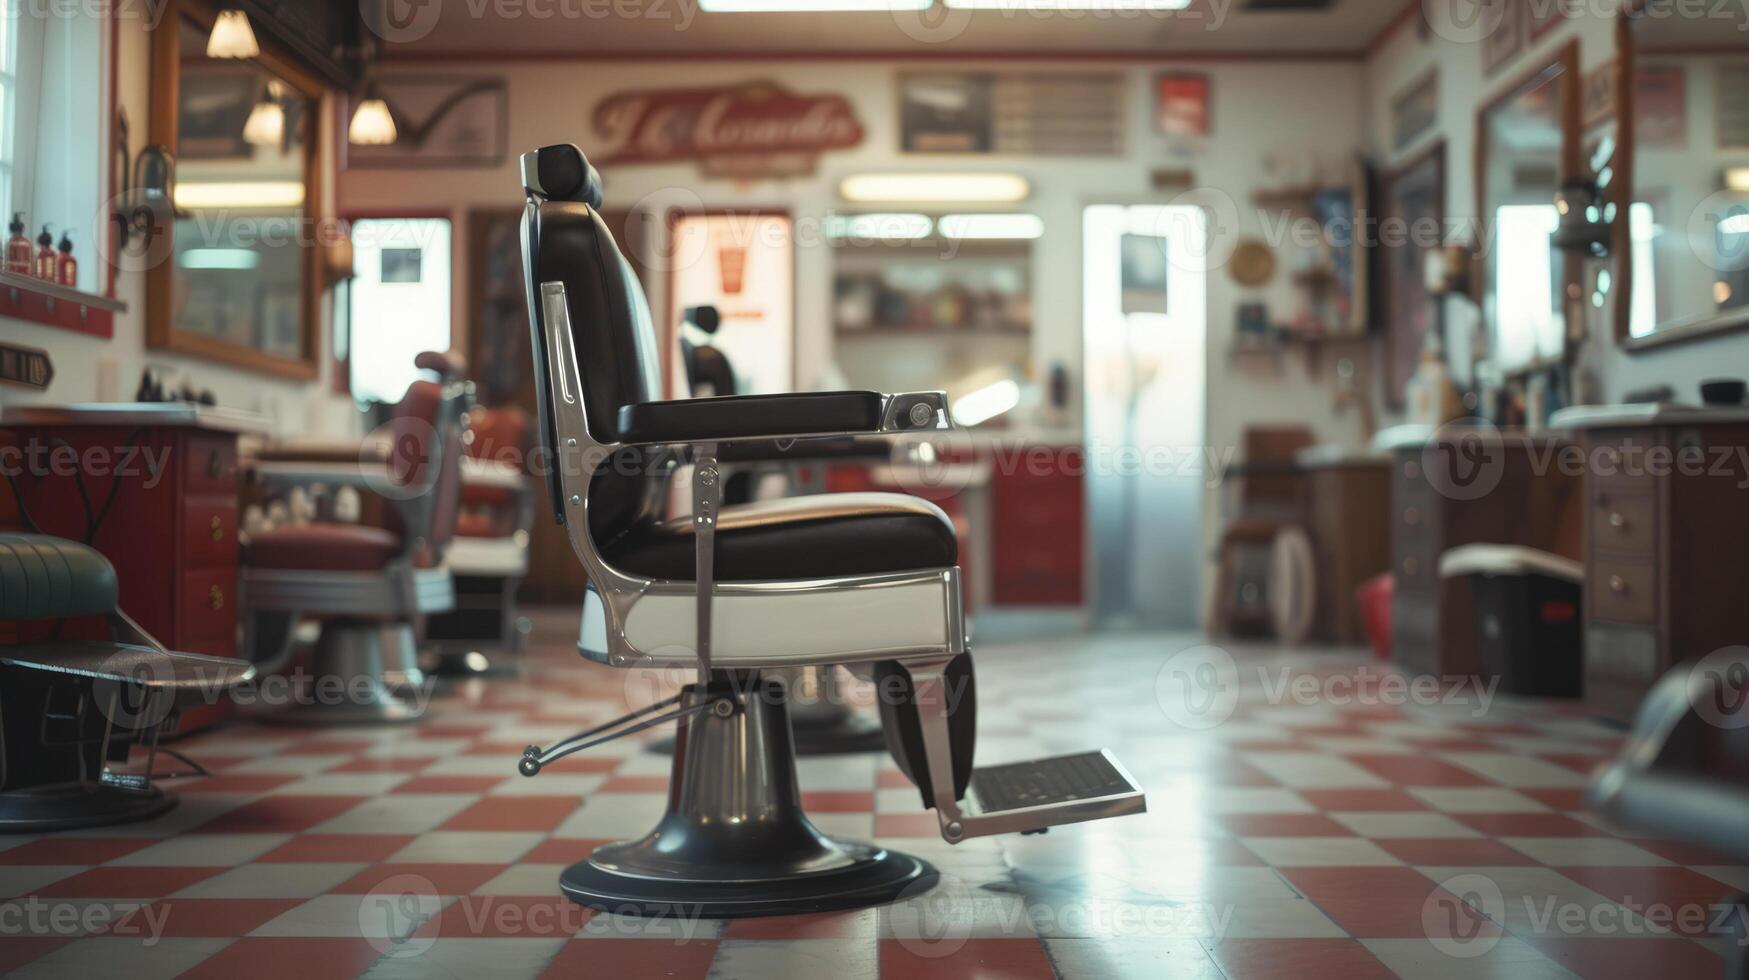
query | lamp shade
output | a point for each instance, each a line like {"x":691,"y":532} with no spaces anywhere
{"x":232,"y":37}
{"x":266,"y":125}
{"x":372,"y":124}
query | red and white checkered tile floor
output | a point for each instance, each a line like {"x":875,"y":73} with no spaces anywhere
{"x":1311,"y":824}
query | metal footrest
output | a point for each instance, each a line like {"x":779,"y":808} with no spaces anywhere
{"x":1026,"y":797}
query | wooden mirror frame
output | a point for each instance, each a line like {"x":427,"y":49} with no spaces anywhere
{"x":1622,"y":195}
{"x":1572,"y":163}
{"x":163,"y":129}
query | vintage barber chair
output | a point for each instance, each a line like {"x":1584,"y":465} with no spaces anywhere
{"x":821,"y":714}
{"x":488,"y":559}
{"x":368,"y":586}
{"x":1683,"y":773}
{"x":867,"y":580}
{"x":72,"y":708}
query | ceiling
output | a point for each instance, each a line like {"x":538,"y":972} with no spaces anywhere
{"x":549,"y":28}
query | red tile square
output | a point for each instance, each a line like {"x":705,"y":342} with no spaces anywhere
{"x":512,"y":917}
{"x":561,"y":850}
{"x":977,"y":959}
{"x":1361,"y":800}
{"x":1689,"y":894}
{"x":1448,"y":744}
{"x":1578,"y":762}
{"x":73,"y":850}
{"x":1417,"y":770}
{"x":449,"y":784}
{"x":1527,"y":825}
{"x":633,"y":959}
{"x":1321,"y":884}
{"x":1282,"y":825}
{"x":1453,"y":852}
{"x":391,"y":765}
{"x":1631,"y":958}
{"x":280,"y":815}
{"x":514,"y":813}
{"x":1388,"y":903}
{"x":336,"y":849}
{"x":328,"y":746}
{"x":1570,"y":800}
{"x":16,"y":951}
{"x":907,"y":825}
{"x":126,"y":882}
{"x":274,"y":958}
{"x":240,"y":783}
{"x":861,"y":926}
{"x":1271,"y":959}
{"x":200,"y":918}
{"x":838,"y":802}
{"x":893,"y":779}
{"x":445,"y":879}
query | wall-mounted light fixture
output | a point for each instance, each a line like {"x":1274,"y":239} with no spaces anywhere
{"x":922,"y":188}
{"x":372,"y":122}
{"x":266,"y":124}
{"x":1583,"y":219}
{"x":232,"y":37}
{"x":1005,"y":227}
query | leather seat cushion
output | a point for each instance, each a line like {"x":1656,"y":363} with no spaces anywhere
{"x":799,"y":537}
{"x":45,"y":577}
{"x":474,"y":524}
{"x":323,"y":547}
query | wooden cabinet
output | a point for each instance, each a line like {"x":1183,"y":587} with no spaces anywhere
{"x":1350,"y":528}
{"x":1667,"y":546}
{"x":1038,"y":539}
{"x":155,"y":489}
{"x":1468,"y":487}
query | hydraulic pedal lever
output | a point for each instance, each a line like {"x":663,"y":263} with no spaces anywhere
{"x":534,"y":758}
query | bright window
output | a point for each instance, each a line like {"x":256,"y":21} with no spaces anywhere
{"x":400,"y":301}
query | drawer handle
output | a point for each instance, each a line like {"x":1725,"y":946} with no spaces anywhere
{"x":216,"y":598}
{"x":1618,"y":585}
{"x":1412,"y":516}
{"x":218,"y":528}
{"x":1618,"y":521}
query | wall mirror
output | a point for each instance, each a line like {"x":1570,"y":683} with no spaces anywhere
{"x":240,"y":282}
{"x":1683,"y":89}
{"x":1527,"y":143}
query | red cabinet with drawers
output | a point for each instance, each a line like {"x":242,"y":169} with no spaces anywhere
{"x":1038,"y":506}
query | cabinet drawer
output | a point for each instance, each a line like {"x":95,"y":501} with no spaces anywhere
{"x":1623,"y":524}
{"x":1623,"y":591}
{"x":209,"y":537}
{"x":1619,"y":464}
{"x":1621,"y":652}
{"x":208,"y":607}
{"x":209,"y":464}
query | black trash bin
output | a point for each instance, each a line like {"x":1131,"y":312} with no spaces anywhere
{"x":1528,"y":622}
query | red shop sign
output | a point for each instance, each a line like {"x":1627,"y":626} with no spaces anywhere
{"x":753,"y":128}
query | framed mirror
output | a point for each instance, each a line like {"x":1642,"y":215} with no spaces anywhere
{"x":1683,"y":252}
{"x":1412,"y":232}
{"x":239,"y":282}
{"x":1527,"y":143}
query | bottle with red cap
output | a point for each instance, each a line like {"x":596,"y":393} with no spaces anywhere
{"x":67,"y":267}
{"x":18,"y":248}
{"x":46,"y":260}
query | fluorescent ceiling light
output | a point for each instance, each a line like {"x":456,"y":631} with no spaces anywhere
{"x":878,"y":227}
{"x":986,"y":403}
{"x":807,"y":6}
{"x":226,"y":259}
{"x":1737,"y":179}
{"x":232,"y":37}
{"x":1736,"y":224}
{"x":372,"y":124}
{"x":945,"y":188}
{"x":248,"y":194}
{"x":992,"y":225}
{"x":1068,"y":4}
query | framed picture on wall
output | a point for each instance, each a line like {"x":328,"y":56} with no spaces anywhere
{"x":1411,"y":230}
{"x":1504,"y":26}
{"x":1182,"y":105}
{"x":1415,"y":112}
{"x":1660,"y":105}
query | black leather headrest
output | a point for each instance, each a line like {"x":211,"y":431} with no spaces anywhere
{"x":705,"y":318}
{"x":561,"y":173}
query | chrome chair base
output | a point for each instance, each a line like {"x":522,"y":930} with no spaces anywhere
{"x":734,"y":841}
{"x":825,"y":724}
{"x":74,"y":806}
{"x":364,"y":673}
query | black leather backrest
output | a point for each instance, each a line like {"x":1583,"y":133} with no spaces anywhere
{"x":611,"y":327}
{"x":44,"y":577}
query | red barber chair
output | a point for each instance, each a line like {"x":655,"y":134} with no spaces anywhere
{"x":368,"y":587}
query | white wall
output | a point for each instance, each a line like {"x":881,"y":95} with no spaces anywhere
{"x":89,"y":368}
{"x":1259,"y":108}
{"x":1464,"y":88}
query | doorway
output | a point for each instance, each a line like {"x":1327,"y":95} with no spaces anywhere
{"x":1144,"y":327}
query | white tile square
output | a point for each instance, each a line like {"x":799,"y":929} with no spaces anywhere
{"x":614,"y":816}
{"x":352,"y":917}
{"x":1133,"y":959}
{"x":559,"y":783}
{"x":411,"y":813}
{"x":1520,"y":771}
{"x":1277,"y":918}
{"x":1384,"y":826}
{"x":471,"y":957}
{"x":118,"y":958}
{"x":1312,"y":770}
{"x":672,"y":929}
{"x":1476,"y":799}
{"x":1576,"y":852}
{"x":289,"y":765}
{"x":202,"y":851}
{"x":1509,"y":957}
{"x":467,"y":847}
{"x":302,"y":880}
{"x":343,"y":784}
{"x":17,"y":880}
{"x":526,"y":880}
{"x":797,"y":958}
{"x":1319,"y":852}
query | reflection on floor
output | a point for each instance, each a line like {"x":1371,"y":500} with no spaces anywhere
{"x":1313,"y":820}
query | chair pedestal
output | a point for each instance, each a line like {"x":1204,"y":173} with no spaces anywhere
{"x":823,"y":722}
{"x":364,"y":673}
{"x":734,"y":840}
